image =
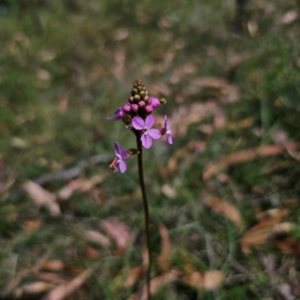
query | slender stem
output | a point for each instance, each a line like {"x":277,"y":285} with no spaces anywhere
{"x":146,"y":207}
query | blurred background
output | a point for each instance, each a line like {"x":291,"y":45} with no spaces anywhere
{"x":223,"y":198}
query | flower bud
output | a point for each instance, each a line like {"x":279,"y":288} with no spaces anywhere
{"x":131,"y":99}
{"x":146,"y":98}
{"x":127,"y":107}
{"x":137,"y":98}
{"x":149,"y":109}
{"x":134,"y":91}
{"x":142,"y":104}
{"x":142,"y":94}
{"x":134,"y":107}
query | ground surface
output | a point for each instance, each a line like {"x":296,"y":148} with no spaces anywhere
{"x":223,"y":198}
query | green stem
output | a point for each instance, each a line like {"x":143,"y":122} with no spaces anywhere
{"x":146,"y":207}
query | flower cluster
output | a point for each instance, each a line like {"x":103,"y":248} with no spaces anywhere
{"x":137,"y":115}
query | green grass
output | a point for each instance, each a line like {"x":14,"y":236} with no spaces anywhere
{"x":90,"y":53}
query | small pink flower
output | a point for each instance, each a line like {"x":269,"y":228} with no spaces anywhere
{"x":121,"y":155}
{"x":155,"y":102}
{"x":149,"y":133}
{"x":167,"y":130}
{"x":119,"y":114}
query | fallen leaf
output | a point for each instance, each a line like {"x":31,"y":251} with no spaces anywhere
{"x":63,"y":104}
{"x":289,"y":17}
{"x":208,"y":280}
{"x":93,"y":253}
{"x":64,"y":290}
{"x":97,"y":237}
{"x":53,"y":265}
{"x":41,"y":197}
{"x":50,"y":277}
{"x":32,"y":225}
{"x":168,"y":191}
{"x":164,"y":259}
{"x":264,"y":230}
{"x":120,"y":34}
{"x":212,"y":279}
{"x":182,"y":156}
{"x":134,"y":275}
{"x":224,"y":208}
{"x":161,"y":87}
{"x":83,"y":185}
{"x":185,"y":115}
{"x":214,"y":168}
{"x":224,"y":91}
{"x":32,"y":289}
{"x":155,"y":284}
{"x":119,"y":232}
{"x":289,"y":246}
{"x":275,"y":214}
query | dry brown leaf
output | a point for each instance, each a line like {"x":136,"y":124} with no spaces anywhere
{"x":97,"y":237}
{"x":264,"y":230}
{"x":289,"y":246}
{"x":212,"y":279}
{"x":194,"y":279}
{"x":50,"y":277}
{"x":41,"y":197}
{"x":289,"y":17}
{"x":64,"y":290}
{"x":80,"y":184}
{"x":168,"y":191}
{"x":208,"y":280}
{"x":214,"y":168}
{"x":224,"y":208}
{"x":155,"y":284}
{"x":119,"y":232}
{"x":53,"y":265}
{"x":134,"y":275}
{"x":164,"y":259}
{"x":185,"y":115}
{"x":32,"y":225}
{"x":32,"y":289}
{"x":120,"y":59}
{"x":227,"y":93}
{"x":183,"y":155}
{"x":93,"y":253}
{"x":275,"y":213}
{"x":161,"y":87}
{"x":63,"y":103}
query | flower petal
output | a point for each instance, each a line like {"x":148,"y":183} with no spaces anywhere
{"x":146,"y":141}
{"x":138,"y":123}
{"x":123,"y":153}
{"x":166,"y":122}
{"x":154,"y":133}
{"x":155,"y":102}
{"x":123,"y":166}
{"x":170,"y":140}
{"x":150,"y":120}
{"x":117,"y":148}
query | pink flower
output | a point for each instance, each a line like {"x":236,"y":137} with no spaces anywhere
{"x":119,"y":114}
{"x":167,"y":130}
{"x":155,"y":102}
{"x":146,"y":127}
{"x":121,"y":155}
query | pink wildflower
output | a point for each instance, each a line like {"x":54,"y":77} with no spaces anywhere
{"x":148,"y":133}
